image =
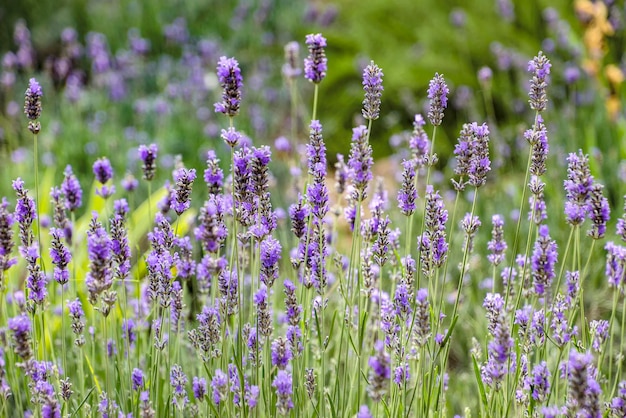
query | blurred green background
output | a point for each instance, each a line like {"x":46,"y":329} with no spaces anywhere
{"x":164,"y":92}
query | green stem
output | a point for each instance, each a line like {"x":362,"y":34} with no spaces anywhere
{"x":315,"y":94}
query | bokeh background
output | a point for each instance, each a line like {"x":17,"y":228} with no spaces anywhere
{"x":119,"y":73}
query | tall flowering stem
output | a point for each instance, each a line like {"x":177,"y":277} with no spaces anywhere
{"x":539,"y":67}
{"x":315,"y":65}
{"x":291,"y":71}
{"x":32,"y":109}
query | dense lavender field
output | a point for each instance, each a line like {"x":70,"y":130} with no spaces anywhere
{"x":284,"y":281}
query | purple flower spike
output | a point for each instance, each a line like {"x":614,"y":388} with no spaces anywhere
{"x":32,"y":105}
{"x":281,"y":353}
{"x":407,"y":195}
{"x":71,"y":189}
{"x":230,"y":79}
{"x":543,"y":261}
{"x":137,"y":379}
{"x":315,"y":65}
{"x":20,"y":328}
{"x":270,"y":255}
{"x":231,"y":136}
{"x":60,"y":255}
{"x":360,"y":163}
{"x":181,"y":195}
{"x":6,"y":239}
{"x":199,"y":388}
{"x":438,"y":95}
{"x":102,"y":170}
{"x":148,"y":155}
{"x":380,"y":372}
{"x":373,"y":86}
{"x":598,"y":210}
{"x":283,"y":385}
{"x":539,"y":67}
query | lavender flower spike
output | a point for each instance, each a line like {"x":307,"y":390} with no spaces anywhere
{"x":103,"y":172}
{"x":6,"y":239}
{"x":283,"y":384}
{"x":360,"y":163}
{"x":598,"y":210}
{"x":407,"y":195}
{"x":438,"y":95}
{"x":373,"y":86}
{"x":539,"y":67}
{"x":315,"y":65}
{"x":230,"y":79}
{"x":71,"y":189}
{"x":32,"y":105}
{"x":181,"y":195}
{"x":497,"y":246}
{"x":148,"y":155}
{"x":543,"y":261}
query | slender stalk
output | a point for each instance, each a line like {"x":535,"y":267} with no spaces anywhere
{"x":315,"y":94}
{"x":430,"y":164}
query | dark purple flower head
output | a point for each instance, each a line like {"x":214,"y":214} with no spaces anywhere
{"x":402,"y":374}
{"x":270,"y":255}
{"x":540,"y":382}
{"x":299,"y":212}
{"x":148,"y":156}
{"x":577,"y":187}
{"x":360,"y":162}
{"x":315,"y":64}
{"x":231,"y":136}
{"x":598,"y":210}
{"x":230,"y":79}
{"x":616,"y":266}
{"x":380,"y":372}
{"x":181,"y":195}
{"x":401,"y":302}
{"x":316,"y":151}
{"x":543,"y":261}
{"x":373,"y":86}
{"x":539,"y":67}
{"x":137,"y":379}
{"x":6,"y":238}
{"x":281,"y":353}
{"x":20,"y":327}
{"x":60,"y":255}
{"x":32,"y":105}
{"x":100,"y":275}
{"x":283,"y":385}
{"x":25,"y":212}
{"x":102,"y":170}
{"x":578,"y":374}
{"x":199,"y":386}
{"x":438,"y":95}
{"x":71,"y":189}
{"x":407,"y":195}
{"x":213,"y":174}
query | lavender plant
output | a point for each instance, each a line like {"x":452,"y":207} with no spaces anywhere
{"x":214,"y":309}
